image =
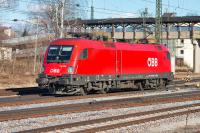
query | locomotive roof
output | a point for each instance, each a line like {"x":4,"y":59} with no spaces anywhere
{"x":85,"y":43}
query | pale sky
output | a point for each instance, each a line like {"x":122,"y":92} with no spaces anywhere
{"x":182,"y":7}
{"x":112,"y":8}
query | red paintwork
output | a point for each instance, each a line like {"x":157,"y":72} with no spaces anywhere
{"x":124,"y":58}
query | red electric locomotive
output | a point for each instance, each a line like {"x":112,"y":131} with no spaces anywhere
{"x":78,"y":66}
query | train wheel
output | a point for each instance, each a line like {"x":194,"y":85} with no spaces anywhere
{"x":52,"y":89}
{"x":104,"y":90}
{"x":140,"y":86}
{"x":82,"y":92}
{"x":162,"y":85}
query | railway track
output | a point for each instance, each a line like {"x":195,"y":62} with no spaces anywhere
{"x":27,"y":96}
{"x":97,"y":105}
{"x":38,"y":91}
{"x":37,"y":99}
{"x":113,"y":122}
{"x":107,"y":123}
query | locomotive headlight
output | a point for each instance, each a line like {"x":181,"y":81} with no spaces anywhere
{"x":70,"y":69}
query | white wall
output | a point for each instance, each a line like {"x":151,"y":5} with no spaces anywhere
{"x":186,"y":46}
{"x":5,"y":53}
{"x":173,"y":64}
{"x":8,"y":32}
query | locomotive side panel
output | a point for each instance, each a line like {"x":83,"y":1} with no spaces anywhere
{"x":98,"y":62}
{"x":143,"y":62}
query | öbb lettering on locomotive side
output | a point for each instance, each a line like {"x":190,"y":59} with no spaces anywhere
{"x":79,"y":66}
{"x":152,"y":62}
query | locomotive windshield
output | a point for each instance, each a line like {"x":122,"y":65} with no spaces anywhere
{"x":59,"y":54}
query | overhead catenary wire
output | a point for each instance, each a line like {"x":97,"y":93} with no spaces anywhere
{"x":172,"y":6}
{"x":87,"y":8}
{"x":97,"y":8}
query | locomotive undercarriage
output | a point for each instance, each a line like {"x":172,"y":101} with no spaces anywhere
{"x":105,"y":86}
{"x":68,"y":89}
{"x":82,"y":86}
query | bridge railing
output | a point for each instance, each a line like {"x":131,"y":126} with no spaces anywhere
{"x":26,"y":39}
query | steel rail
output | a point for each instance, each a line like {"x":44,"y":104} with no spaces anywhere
{"x":45,"y":98}
{"x":137,"y":122}
{"x":112,"y":126}
{"x":97,"y":105}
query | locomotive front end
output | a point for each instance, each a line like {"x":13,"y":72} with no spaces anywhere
{"x":58,"y":68}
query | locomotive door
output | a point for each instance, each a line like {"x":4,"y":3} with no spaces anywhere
{"x":118,"y":62}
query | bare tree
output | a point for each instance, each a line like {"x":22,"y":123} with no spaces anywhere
{"x":8,"y":3}
{"x":55,"y":12}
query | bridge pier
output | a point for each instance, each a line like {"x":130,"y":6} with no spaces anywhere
{"x":179,"y":31}
{"x":134,"y":32}
{"x":113,"y":32}
{"x":124,"y":32}
{"x":167,"y":32}
{"x":134,"y":35}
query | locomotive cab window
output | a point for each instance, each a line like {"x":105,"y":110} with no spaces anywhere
{"x":84,"y":54}
{"x":57,"y":53}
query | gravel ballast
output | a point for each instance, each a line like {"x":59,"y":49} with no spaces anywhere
{"x":170,"y":125}
{"x":89,"y":100}
{"x":32,"y":123}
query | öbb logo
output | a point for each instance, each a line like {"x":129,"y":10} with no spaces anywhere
{"x":54,"y":70}
{"x":152,"y":62}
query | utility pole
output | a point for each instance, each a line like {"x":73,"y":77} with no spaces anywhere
{"x":158,"y":27}
{"x":36,"y":45}
{"x":92,"y":10}
{"x":144,"y":16}
{"x":36,"y":41}
{"x":62,"y":19}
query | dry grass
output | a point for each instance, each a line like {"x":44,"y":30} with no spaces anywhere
{"x":18,"y":73}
